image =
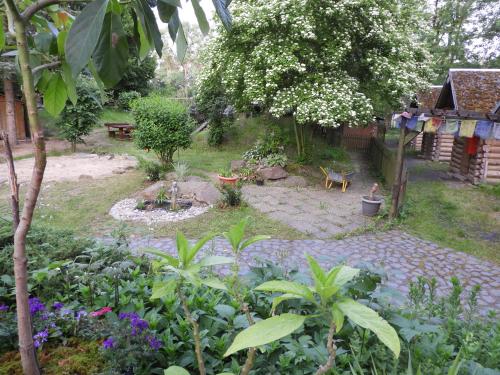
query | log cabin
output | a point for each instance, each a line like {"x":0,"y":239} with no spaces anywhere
{"x":473,"y":90}
{"x":427,"y":143}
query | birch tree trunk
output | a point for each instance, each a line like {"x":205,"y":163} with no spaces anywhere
{"x":26,"y":347}
{"x":10,"y":109}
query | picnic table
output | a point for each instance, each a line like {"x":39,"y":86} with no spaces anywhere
{"x":124,"y":130}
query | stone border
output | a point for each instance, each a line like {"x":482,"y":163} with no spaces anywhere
{"x":125,"y":210}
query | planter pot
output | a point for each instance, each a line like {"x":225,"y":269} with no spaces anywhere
{"x":259,"y":182}
{"x":228,"y":180}
{"x":371,"y":207}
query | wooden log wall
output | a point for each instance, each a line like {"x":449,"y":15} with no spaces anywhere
{"x":458,"y":156}
{"x":443,"y":145}
{"x":427,"y":145}
{"x":491,"y":163}
{"x":418,"y":142}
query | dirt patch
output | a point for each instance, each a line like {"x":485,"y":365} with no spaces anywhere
{"x":73,"y":167}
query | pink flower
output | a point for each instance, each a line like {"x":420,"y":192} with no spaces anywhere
{"x":100,"y":312}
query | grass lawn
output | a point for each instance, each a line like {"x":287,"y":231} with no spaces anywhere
{"x":455,"y":215}
{"x":83,"y":206}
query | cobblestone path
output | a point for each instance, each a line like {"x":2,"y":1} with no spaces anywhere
{"x":403,"y":256}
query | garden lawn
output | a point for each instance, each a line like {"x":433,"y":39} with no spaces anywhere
{"x":456,"y":215}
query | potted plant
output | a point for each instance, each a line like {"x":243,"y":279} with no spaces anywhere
{"x":371,"y":203}
{"x":227,"y":177}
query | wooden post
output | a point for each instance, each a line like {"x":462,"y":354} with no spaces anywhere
{"x":396,"y":187}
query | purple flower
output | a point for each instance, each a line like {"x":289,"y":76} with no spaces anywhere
{"x":57,"y":305}
{"x":137,"y":324}
{"x":109,"y":343}
{"x":4,"y":308}
{"x":65,"y":312}
{"x":128,"y":315}
{"x":153,"y":342}
{"x":35,"y":305}
{"x":80,"y":314}
{"x":41,"y":337}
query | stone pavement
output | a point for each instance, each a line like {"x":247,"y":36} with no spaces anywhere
{"x":316,"y":211}
{"x":403,"y":256}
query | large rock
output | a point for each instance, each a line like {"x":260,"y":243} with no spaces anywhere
{"x":237,"y":165}
{"x":199,"y":191}
{"x":150,"y":193}
{"x":273,"y":173}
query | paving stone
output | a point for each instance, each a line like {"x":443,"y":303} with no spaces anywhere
{"x":398,"y":253}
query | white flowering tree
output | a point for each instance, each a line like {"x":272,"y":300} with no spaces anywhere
{"x":326,"y":62}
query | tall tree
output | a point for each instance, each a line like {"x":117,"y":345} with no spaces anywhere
{"x":53,"y":47}
{"x":463,"y":33}
{"x":328,"y":63}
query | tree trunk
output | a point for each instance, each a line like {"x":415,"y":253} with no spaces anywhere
{"x":400,"y":158}
{"x":14,"y":186}
{"x":26,"y":347}
{"x":10,"y":109}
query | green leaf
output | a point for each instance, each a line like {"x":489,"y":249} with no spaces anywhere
{"x":288,"y":287}
{"x":70,"y":83}
{"x":344,"y":275}
{"x":214,"y":283}
{"x":55,"y":96}
{"x":175,"y":370}
{"x":182,"y":248}
{"x":201,"y":17}
{"x":253,"y":240}
{"x":457,"y":363}
{"x":97,"y":79}
{"x":163,"y":289}
{"x":191,"y":253}
{"x":214,"y":260}
{"x":61,"y":41}
{"x":174,"y":3}
{"x":279,"y":299}
{"x":223,"y":12}
{"x":181,"y":44}
{"x":2,"y":35}
{"x":84,"y":35}
{"x":166,"y":11}
{"x":317,"y":272}
{"x":235,"y":234}
{"x":144,"y":45}
{"x":149,"y":25}
{"x":266,"y":331}
{"x":111,"y":53}
{"x":338,"y":318}
{"x":174,"y":262}
{"x":367,"y":318}
{"x":173,"y":24}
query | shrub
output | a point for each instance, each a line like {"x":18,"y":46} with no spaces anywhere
{"x":275,"y":160}
{"x":271,"y":143}
{"x":152,"y":169}
{"x":181,"y":171}
{"x":231,"y":196}
{"x":162,"y":126}
{"x":76,"y":121}
{"x":125,"y":99}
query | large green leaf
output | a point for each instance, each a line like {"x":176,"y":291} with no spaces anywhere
{"x":191,"y":253}
{"x":174,"y":262}
{"x":111,"y":53}
{"x":252,"y":240}
{"x":279,"y":299}
{"x":166,"y":11}
{"x":288,"y":287}
{"x":317,"y":272}
{"x":55,"y":96}
{"x":223,"y":12}
{"x":163,"y":289}
{"x":84,"y":35}
{"x":214,"y":283}
{"x":201,"y":17}
{"x":338,"y":318}
{"x":148,"y":21}
{"x":175,"y":370}
{"x":214,"y":260}
{"x":266,"y":331}
{"x":173,"y":24}
{"x":182,"y":248}
{"x":345,"y":275}
{"x":70,"y":82}
{"x":367,"y":318}
{"x":235,"y":234}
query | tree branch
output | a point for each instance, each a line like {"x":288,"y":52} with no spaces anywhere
{"x":39,"y":5}
{"x":45,"y":66}
{"x":14,"y":12}
{"x":14,"y":186}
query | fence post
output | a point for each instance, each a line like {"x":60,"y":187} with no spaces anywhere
{"x":396,"y":188}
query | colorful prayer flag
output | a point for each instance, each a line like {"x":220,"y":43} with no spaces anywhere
{"x":412,"y":123}
{"x":467,"y":128}
{"x":450,"y":127}
{"x":433,"y":125}
{"x":420,"y":126}
{"x":484,"y":129}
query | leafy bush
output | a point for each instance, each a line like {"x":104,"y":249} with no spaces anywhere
{"x":275,"y":160}
{"x":77,"y":120}
{"x":231,"y":196}
{"x":162,"y":126}
{"x":125,"y":98}
{"x":181,"y":171}
{"x":271,"y":143}
{"x":153,"y":170}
